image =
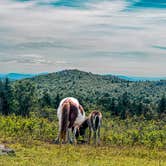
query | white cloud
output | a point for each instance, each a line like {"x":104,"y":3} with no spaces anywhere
{"x":103,"y":32}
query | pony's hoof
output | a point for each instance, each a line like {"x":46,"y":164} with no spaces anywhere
{"x":71,"y":142}
{"x":56,"y":142}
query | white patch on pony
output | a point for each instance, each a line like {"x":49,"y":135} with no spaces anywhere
{"x":80,"y":118}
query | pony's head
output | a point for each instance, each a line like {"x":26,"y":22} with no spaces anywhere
{"x":79,"y":130}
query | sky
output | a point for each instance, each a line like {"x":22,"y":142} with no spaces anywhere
{"x":125,"y":37}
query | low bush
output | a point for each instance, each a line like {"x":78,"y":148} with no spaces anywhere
{"x":129,"y":132}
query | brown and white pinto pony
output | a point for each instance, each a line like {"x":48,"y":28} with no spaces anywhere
{"x":93,"y":123}
{"x":95,"y":119}
{"x":70,"y":114}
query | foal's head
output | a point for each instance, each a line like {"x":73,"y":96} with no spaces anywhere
{"x":81,"y":129}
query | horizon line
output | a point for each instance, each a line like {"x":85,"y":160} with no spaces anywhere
{"x":119,"y":75}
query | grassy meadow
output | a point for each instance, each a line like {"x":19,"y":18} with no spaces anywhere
{"x":83,"y":155}
{"x":124,"y":143}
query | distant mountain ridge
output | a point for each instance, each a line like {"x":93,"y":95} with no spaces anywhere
{"x":133,"y":78}
{"x":19,"y":76}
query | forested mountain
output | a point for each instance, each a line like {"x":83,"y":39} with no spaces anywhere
{"x":106,"y":93}
{"x":19,"y":76}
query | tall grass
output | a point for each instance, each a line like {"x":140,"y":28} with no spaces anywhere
{"x":129,"y":132}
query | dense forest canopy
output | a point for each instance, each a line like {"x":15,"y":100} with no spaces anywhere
{"x":41,"y":95}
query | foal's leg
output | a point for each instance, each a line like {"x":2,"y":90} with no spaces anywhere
{"x":90,"y":134}
{"x":90,"y":131}
{"x":98,"y":134}
{"x":94,"y":136}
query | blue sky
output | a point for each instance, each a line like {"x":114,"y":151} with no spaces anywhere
{"x":102,"y":36}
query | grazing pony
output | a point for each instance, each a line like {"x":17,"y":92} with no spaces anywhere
{"x":81,"y":129}
{"x":70,"y":113}
{"x":95,"y":119}
{"x":93,"y":122}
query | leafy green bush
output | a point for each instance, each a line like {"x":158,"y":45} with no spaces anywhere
{"x":129,"y":132}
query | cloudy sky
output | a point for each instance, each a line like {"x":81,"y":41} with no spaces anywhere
{"x":102,"y":36}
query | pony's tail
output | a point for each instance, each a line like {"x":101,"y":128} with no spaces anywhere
{"x":96,"y":122}
{"x":64,"y":121}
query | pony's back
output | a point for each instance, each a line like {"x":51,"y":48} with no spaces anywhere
{"x":69,"y":113}
{"x":95,"y":119}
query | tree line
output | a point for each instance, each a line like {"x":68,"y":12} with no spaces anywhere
{"x":23,"y":99}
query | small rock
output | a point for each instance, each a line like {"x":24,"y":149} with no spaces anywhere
{"x":2,"y":146}
{"x":4,"y":150}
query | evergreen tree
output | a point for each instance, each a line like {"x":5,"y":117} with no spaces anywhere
{"x":46,"y":100}
{"x":57,"y":101}
{"x":113,"y":107}
{"x":5,"y":97}
{"x":162,"y":106}
{"x":25,"y":96}
{"x":124,"y":105}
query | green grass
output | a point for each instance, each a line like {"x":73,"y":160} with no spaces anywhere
{"x":131,"y":142}
{"x":129,"y":132}
{"x":82,"y":155}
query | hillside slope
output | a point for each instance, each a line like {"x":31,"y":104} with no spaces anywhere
{"x":89,"y":88}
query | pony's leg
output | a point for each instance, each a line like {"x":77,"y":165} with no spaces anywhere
{"x":74,"y":136}
{"x":84,"y":138}
{"x":57,"y":140}
{"x":70,"y":136}
{"x":90,"y":134}
{"x":90,"y":131}
{"x":94,"y":137}
{"x":98,"y":134}
{"x":66,"y":137}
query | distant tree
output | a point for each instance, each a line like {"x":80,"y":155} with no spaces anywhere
{"x":46,"y":100}
{"x":124,"y":105}
{"x":140,"y":109}
{"x":133,"y":108}
{"x":57,"y":101}
{"x":162,"y":106}
{"x":25,"y":96}
{"x":1,"y":102}
{"x":121,"y":110}
{"x":105,"y":101}
{"x":8,"y":96}
{"x":113,"y":107}
{"x":125,"y":100}
{"x":5,"y":96}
